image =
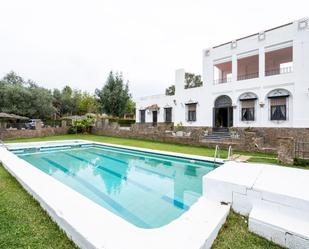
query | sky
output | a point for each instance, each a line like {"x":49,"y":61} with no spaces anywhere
{"x":77,"y":42}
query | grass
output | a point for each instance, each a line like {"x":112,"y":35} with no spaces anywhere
{"x":235,"y":235}
{"x":194,"y":150}
{"x":23,"y":224}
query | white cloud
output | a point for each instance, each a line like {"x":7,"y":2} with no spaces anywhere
{"x":77,"y":42}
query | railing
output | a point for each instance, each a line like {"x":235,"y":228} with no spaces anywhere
{"x":222,"y":81}
{"x":2,"y":143}
{"x":230,"y":153}
{"x":301,"y":150}
{"x":217,"y":154}
{"x":248,"y":76}
{"x":276,"y":71}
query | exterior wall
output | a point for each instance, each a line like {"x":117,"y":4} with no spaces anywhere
{"x":296,"y":83}
{"x":161,"y":100}
{"x":15,"y":134}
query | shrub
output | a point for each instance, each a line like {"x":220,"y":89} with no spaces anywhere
{"x":179,"y":127}
{"x":122,"y":122}
{"x":301,"y":162}
{"x":83,"y":125}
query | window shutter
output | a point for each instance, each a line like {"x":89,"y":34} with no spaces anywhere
{"x":278,"y":101}
{"x":248,"y":103}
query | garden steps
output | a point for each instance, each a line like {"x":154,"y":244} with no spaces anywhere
{"x":286,"y":226}
{"x":218,"y":136}
{"x":275,"y":198}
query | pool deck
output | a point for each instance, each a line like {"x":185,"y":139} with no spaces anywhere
{"x":275,"y":198}
{"x":91,"y":226}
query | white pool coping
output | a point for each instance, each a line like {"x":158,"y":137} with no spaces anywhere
{"x":91,"y":226}
{"x":275,"y":198}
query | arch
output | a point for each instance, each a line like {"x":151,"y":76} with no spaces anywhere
{"x":222,"y":113}
{"x":278,"y":104}
{"x":223,"y":101}
{"x":248,"y":106}
{"x":280,"y":92}
{"x":248,"y":96}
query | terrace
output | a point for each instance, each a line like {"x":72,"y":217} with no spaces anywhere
{"x":223,"y":72}
{"x":279,"y":61}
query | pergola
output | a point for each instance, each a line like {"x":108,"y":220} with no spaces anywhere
{"x":9,"y":117}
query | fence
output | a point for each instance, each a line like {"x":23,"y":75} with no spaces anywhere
{"x":301,"y":149}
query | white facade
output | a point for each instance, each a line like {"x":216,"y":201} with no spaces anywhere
{"x":272,"y":66}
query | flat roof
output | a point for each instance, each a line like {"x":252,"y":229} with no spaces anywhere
{"x":245,"y":37}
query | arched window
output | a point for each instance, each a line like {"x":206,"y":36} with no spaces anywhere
{"x":248,"y":101}
{"x":278,"y":100}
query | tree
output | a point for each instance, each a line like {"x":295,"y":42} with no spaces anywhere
{"x":130,"y":109}
{"x":13,"y":78}
{"x":170,"y":90}
{"x":114,"y":95}
{"x":87,"y":104}
{"x":66,"y":101}
{"x":41,"y":102}
{"x":25,"y":97}
{"x":192,"y":80}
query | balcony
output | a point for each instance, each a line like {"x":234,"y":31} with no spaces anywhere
{"x":223,"y":72}
{"x":248,"y":76}
{"x":281,"y":70}
{"x":248,"y":67}
{"x":279,"y":61}
{"x":222,"y":80}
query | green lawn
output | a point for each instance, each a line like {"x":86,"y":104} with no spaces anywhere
{"x":235,"y":235}
{"x":23,"y":224}
{"x":194,"y":150}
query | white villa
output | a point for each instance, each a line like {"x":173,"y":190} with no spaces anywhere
{"x":261,"y":80}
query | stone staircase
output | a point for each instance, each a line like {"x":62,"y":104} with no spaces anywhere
{"x":218,"y":135}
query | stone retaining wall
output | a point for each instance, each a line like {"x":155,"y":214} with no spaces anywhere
{"x":159,"y":135}
{"x":270,"y":136}
{"x":43,"y":132}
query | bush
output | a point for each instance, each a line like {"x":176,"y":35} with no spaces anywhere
{"x":122,"y":122}
{"x":301,"y":162}
{"x":83,"y":125}
{"x":179,"y":127}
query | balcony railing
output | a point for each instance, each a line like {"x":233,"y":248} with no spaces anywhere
{"x":248,"y":76}
{"x":222,"y":81}
{"x":282,"y":70}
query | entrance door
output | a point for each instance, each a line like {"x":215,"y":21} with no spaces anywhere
{"x":154,"y":118}
{"x":223,"y":114}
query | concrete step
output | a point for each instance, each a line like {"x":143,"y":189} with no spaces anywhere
{"x":286,"y":226}
{"x":218,"y":136}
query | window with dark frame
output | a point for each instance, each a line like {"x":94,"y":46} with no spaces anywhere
{"x":168,"y":114}
{"x":142,"y":116}
{"x":278,"y":108}
{"x":191,"y":112}
{"x":247,"y":110}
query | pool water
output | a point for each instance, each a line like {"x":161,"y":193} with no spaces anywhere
{"x":148,"y":190}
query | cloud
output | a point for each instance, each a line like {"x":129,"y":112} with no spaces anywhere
{"x":79,"y":42}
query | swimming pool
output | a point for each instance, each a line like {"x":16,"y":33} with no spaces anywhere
{"x":146,"y":189}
